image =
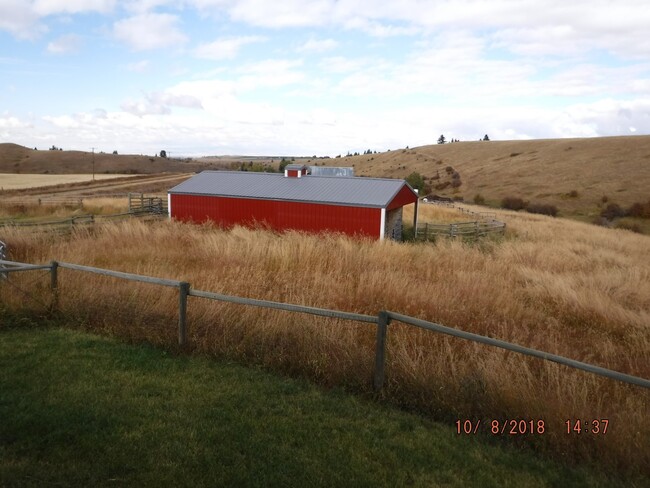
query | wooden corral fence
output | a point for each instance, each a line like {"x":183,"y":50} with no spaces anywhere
{"x":464,"y":230}
{"x":381,"y":320}
{"x":65,"y":225}
{"x":484,"y":223}
{"x":58,"y":201}
{"x":139,"y":202}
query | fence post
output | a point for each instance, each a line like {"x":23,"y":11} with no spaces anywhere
{"x":54,"y":285}
{"x":183,"y":291}
{"x":380,"y":350}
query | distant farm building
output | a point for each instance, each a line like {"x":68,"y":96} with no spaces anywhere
{"x":368,"y":207}
{"x":331,"y":171}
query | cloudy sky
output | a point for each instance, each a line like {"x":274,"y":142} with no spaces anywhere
{"x":305,"y":77}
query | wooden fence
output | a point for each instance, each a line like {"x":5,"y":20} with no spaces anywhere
{"x":381,"y":320}
{"x":484,"y":223}
{"x":136,"y":200}
{"x":465,"y":230}
{"x":60,"y":201}
{"x":139,"y":202}
{"x":69,"y":223}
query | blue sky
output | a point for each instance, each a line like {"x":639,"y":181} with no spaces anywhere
{"x":324,"y":77}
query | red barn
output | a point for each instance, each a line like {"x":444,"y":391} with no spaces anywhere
{"x":370,"y":207}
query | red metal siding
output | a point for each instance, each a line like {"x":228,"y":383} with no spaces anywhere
{"x":279,"y":215}
{"x":404,"y":197}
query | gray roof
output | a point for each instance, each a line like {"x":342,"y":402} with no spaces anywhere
{"x":363,"y":192}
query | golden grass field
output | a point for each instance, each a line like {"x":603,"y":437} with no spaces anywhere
{"x":555,"y":285}
{"x":23,"y":181}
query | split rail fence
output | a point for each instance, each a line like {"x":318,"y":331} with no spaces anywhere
{"x":381,"y":320}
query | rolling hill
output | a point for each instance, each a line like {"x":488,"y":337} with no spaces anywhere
{"x":19,"y":159}
{"x":576,"y":175}
{"x":545,"y":171}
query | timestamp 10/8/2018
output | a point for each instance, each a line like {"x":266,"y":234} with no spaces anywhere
{"x":514,"y":427}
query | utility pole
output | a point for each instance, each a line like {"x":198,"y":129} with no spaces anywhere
{"x":93,"y":163}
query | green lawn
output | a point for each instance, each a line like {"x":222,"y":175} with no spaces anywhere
{"x":81,"y":410}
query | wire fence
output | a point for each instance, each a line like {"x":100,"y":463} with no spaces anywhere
{"x":381,"y":320}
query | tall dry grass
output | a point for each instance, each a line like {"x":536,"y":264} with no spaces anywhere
{"x":89,"y":206}
{"x":564,"y":287}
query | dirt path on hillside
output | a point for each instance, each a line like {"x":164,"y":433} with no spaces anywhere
{"x":107,"y":187}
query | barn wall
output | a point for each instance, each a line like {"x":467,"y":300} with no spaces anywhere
{"x":279,"y":215}
{"x":404,"y":197}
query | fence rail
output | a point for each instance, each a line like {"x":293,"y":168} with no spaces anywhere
{"x":485,"y":223}
{"x":469,"y":230}
{"x":139,"y":202}
{"x":382,"y":320}
{"x":71,"y":222}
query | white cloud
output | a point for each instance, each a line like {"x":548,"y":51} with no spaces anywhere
{"x":318,"y":45}
{"x":341,"y":64}
{"x":63,"y":121}
{"x":149,"y":31}
{"x":270,"y":73}
{"x":379,"y":29}
{"x":146,"y":6}
{"x":160,"y":103}
{"x":144,"y":107}
{"x":51,"y":7}
{"x":64,"y":44}
{"x":18,"y":18}
{"x":225,"y":48}
{"x":279,"y":14}
{"x":10,"y":122}
{"x":233,"y":126}
{"x":620,"y":27}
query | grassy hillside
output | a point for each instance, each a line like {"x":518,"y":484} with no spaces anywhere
{"x":555,"y":285}
{"x":19,"y":159}
{"x":545,"y":171}
{"x":573,"y":174}
{"x":80,"y":410}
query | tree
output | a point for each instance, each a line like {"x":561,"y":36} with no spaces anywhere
{"x":416,"y":181}
{"x":441,"y":139}
{"x":283,"y":164}
{"x":163,"y":154}
{"x":486,"y":138}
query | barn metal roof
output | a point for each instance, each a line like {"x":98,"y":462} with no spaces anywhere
{"x":351,"y":191}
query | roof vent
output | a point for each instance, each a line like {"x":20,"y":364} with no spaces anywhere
{"x":295,"y":170}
